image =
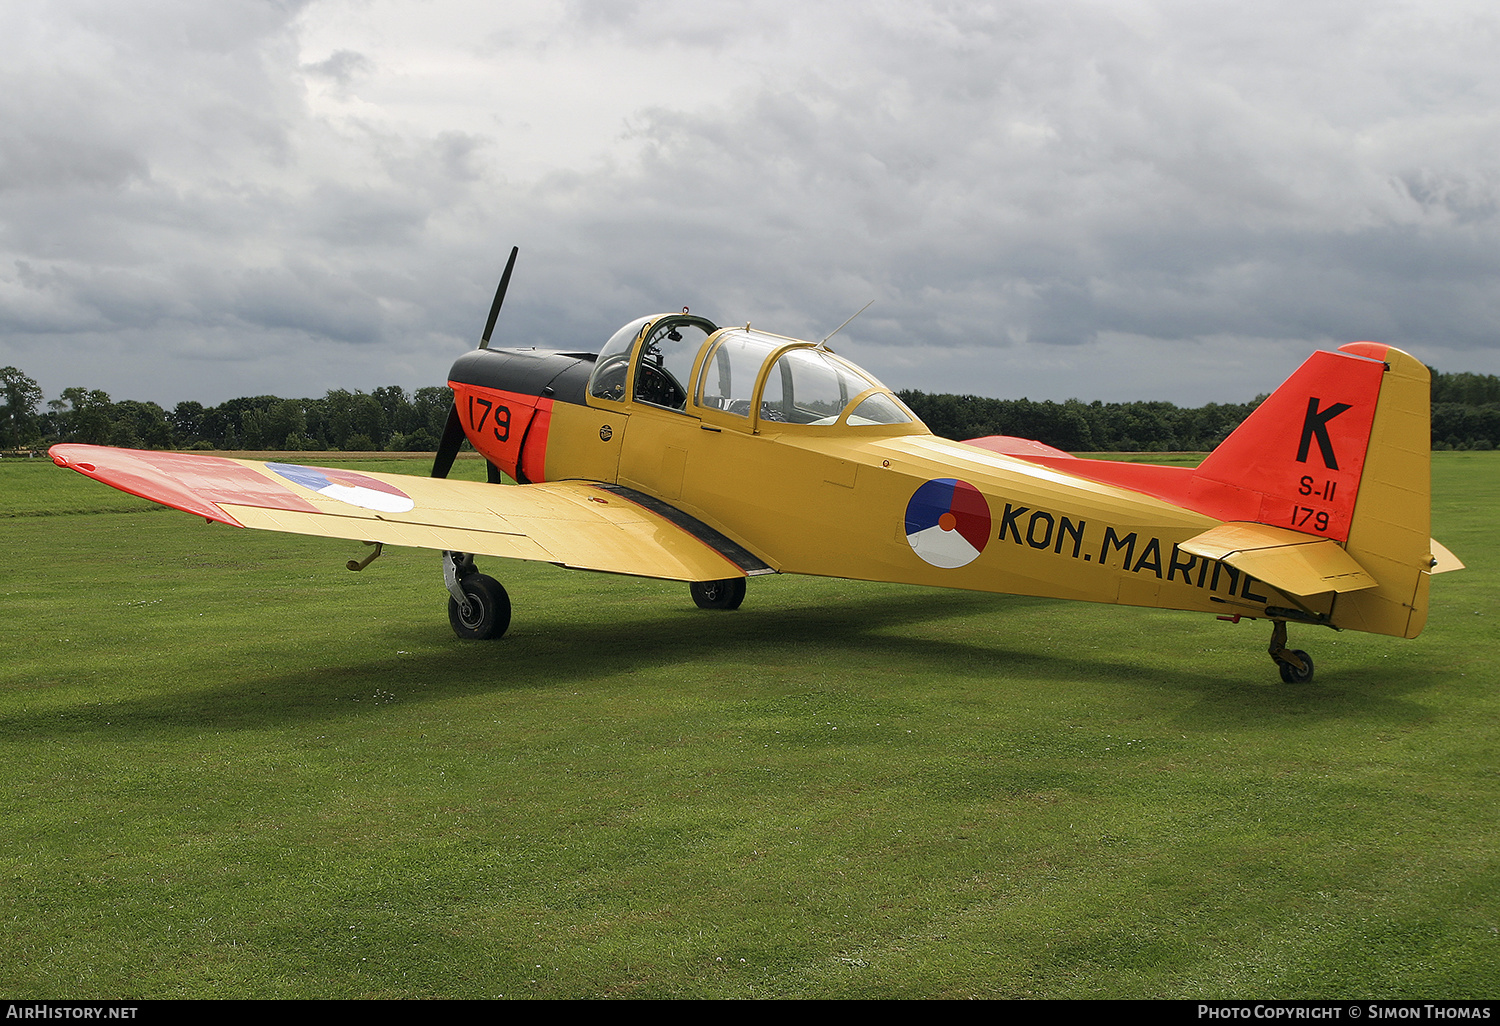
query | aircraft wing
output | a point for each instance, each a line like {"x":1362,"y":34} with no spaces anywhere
{"x":1289,"y":561}
{"x":569,"y":523}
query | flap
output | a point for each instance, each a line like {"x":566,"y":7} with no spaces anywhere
{"x":1289,"y":561}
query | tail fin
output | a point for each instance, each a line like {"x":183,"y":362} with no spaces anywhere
{"x":1340,"y":453}
{"x":1342,"y":450}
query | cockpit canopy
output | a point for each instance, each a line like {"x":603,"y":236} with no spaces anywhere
{"x":666,"y":346}
{"x":686,"y":363}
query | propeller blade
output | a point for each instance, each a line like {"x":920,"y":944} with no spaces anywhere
{"x":493,"y":474}
{"x":453,"y":431}
{"x":453,"y":437}
{"x":489,"y":326}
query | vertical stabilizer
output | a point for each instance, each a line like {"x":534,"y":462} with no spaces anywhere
{"x":1342,"y":451}
{"x":1297,"y":461}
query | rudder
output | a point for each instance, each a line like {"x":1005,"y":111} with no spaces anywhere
{"x":1391,"y":535}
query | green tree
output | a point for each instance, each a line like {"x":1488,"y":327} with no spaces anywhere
{"x":18,"y":415}
{"x":400,"y":414}
{"x":432,"y":404}
{"x":369,"y":423}
{"x":336,"y":417}
{"x":137,"y":425}
{"x":187,"y":422}
{"x":284,"y":419}
{"x":90,"y":417}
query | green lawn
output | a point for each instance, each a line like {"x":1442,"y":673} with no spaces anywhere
{"x":231,"y":768}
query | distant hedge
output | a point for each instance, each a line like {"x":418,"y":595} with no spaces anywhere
{"x":1465,"y":415}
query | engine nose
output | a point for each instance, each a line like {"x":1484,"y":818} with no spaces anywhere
{"x":503,"y":400}
{"x":534,"y":372}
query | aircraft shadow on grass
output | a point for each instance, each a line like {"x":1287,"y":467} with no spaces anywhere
{"x":866,"y":631}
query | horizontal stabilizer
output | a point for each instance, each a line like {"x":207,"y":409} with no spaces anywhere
{"x":1289,"y":561}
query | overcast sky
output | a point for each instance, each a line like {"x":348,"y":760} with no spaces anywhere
{"x":1109,"y":200}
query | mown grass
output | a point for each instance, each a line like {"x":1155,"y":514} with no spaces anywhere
{"x":232,"y":768}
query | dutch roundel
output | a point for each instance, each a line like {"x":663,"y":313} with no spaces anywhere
{"x":347,"y":486}
{"x":948,"y":522}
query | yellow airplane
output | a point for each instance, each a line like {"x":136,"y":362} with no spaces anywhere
{"x":688,"y":451}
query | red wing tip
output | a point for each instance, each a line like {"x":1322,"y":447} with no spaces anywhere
{"x":133,"y":472}
{"x":62,"y":461}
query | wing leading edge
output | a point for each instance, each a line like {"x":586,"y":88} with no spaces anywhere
{"x":570,"y":523}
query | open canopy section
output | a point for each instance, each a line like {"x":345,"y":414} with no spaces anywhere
{"x":651,"y":360}
{"x":685,"y":363}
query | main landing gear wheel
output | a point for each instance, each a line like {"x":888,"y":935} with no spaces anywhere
{"x":1296,"y":666}
{"x":718,"y":594}
{"x":486,"y":613}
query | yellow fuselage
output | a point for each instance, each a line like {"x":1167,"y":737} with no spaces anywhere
{"x":831,"y":501}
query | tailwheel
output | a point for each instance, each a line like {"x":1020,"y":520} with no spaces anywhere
{"x":485,"y":612}
{"x":1296,"y":666}
{"x":718,"y":594}
{"x":1292,"y":674}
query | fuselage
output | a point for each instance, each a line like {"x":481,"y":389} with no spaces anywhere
{"x":816,"y":468}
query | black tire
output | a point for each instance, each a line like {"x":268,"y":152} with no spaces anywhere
{"x":488,"y":612}
{"x":718,"y":594}
{"x":1291,"y":675}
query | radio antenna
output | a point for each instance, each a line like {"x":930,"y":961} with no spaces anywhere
{"x":823,"y":344}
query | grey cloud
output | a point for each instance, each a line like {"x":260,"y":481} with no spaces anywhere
{"x":341,"y":67}
{"x":1026,"y":187}
{"x":306,"y":299}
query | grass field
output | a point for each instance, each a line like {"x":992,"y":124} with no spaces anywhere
{"x":231,"y":768}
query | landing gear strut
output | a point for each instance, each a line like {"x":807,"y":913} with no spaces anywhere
{"x":478,"y":607}
{"x":1296,"y":666}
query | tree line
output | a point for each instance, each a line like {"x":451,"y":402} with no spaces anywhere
{"x":387,"y":419}
{"x":1076,"y":426}
{"x":1465,"y":415}
{"x":1465,"y":411}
